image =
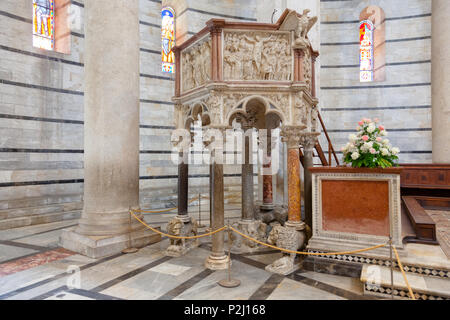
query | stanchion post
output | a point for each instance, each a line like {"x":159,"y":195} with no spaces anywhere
{"x":130,"y":249}
{"x":392,"y":268}
{"x":229,"y":283}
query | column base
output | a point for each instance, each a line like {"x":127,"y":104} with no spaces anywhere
{"x":183,"y":226}
{"x":297,"y":225}
{"x":252,"y":228}
{"x":217,"y":263}
{"x":102,"y":246}
{"x":267,"y":207}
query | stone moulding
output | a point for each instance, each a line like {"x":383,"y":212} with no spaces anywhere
{"x":332,"y":239}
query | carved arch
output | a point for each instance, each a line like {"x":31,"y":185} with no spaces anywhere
{"x":269,"y":107}
{"x":197,"y":111}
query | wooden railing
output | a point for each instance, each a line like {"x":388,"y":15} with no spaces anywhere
{"x":330,"y":145}
{"x":320,"y":153}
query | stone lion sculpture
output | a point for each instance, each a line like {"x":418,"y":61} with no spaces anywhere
{"x":286,"y":238}
{"x":177,"y":227}
{"x":254,"y":229}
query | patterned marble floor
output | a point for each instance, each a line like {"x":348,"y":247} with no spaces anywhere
{"x":442,"y":220}
{"x":33,"y":266}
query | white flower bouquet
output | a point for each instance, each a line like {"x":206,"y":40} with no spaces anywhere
{"x":369,"y":147}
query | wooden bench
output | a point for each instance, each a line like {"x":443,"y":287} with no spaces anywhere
{"x":423,"y":225}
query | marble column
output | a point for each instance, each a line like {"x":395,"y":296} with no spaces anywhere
{"x":247,"y":181}
{"x":268,"y":203}
{"x":248,"y":225}
{"x":217,"y":260}
{"x":111,"y":132}
{"x":183,"y":187}
{"x":292,"y":135}
{"x":440,"y":79}
{"x":294,"y":228}
{"x":308,"y":142}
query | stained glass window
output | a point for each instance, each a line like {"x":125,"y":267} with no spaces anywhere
{"x":43,"y":24}
{"x":168,"y":40}
{"x":366,"y":51}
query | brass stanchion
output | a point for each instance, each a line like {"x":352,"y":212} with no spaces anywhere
{"x":130,"y":249}
{"x":229,"y":283}
{"x":200,"y":225}
{"x":392,"y":268}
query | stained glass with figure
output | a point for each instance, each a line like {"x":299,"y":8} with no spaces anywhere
{"x":366,"y":29}
{"x":43,"y":24}
{"x":168,"y":40}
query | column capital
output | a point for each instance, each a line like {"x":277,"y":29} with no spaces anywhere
{"x":309,"y":140}
{"x":292,"y":135}
{"x":247,"y":120}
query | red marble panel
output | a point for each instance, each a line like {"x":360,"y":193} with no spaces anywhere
{"x":356,"y":206}
{"x":33,"y":261}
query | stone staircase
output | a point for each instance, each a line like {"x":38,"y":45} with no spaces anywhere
{"x":425,"y":286}
{"x":27,"y":216}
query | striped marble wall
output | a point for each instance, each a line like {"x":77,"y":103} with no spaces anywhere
{"x":41,"y":108}
{"x":403,"y":100}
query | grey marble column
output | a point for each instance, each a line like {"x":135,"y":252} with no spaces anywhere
{"x":308,"y":162}
{"x":217,"y":260}
{"x":111,"y":130}
{"x":183,"y":187}
{"x":247,"y":182}
{"x":440,"y":79}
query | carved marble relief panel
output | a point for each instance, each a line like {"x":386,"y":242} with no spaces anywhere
{"x":257,"y":56}
{"x":196,"y":65}
{"x":307,"y":68}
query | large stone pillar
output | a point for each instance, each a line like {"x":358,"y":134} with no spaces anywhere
{"x":111,"y":131}
{"x":440,"y":81}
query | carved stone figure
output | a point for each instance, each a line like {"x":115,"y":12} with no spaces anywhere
{"x":178,"y":227}
{"x":257,"y":56}
{"x":286,"y":238}
{"x":304,"y":24}
{"x":307,"y":69}
{"x":254,"y":229}
{"x":196,"y":65}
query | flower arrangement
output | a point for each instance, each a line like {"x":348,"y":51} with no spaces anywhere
{"x":369,"y":148}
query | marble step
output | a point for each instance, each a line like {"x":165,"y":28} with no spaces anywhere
{"x":377,"y":282}
{"x":39,"y":219}
{"x":39,"y":210}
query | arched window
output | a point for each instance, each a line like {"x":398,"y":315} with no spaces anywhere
{"x":366,"y":51}
{"x":372,"y":49}
{"x":44,"y":24}
{"x":168,"y":39}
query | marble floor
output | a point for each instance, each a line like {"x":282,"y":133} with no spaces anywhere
{"x":33,"y":266}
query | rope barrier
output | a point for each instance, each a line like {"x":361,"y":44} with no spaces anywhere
{"x":404,"y":274}
{"x":278,"y":248}
{"x":306,"y":253}
{"x":177,"y":237}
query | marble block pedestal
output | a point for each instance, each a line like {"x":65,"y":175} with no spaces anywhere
{"x":102,"y":246}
